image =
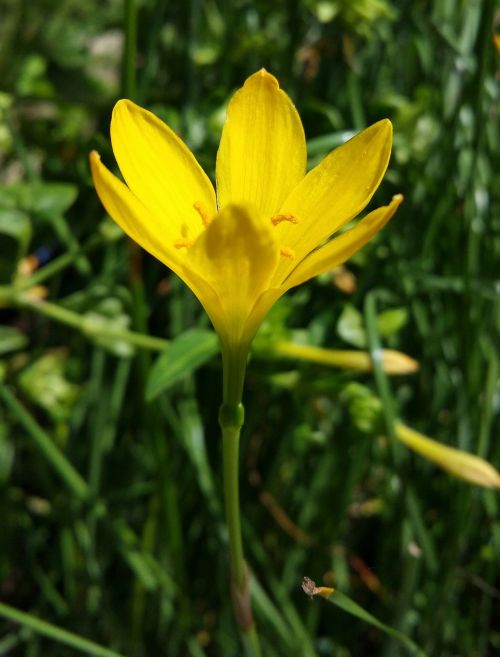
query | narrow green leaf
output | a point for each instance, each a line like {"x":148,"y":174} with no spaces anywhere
{"x":182,"y":357}
{"x":349,"y":606}
{"x":56,"y":633}
{"x":57,"y":459}
{"x":268,"y":610}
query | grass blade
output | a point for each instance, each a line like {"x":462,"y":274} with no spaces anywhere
{"x":56,"y":633}
{"x":348,"y":605}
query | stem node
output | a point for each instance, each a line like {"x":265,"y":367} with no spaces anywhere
{"x":231,"y":416}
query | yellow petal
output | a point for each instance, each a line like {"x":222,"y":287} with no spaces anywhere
{"x":262,"y":306}
{"x":161,"y":171}
{"x":236,"y":256}
{"x":130,"y":214}
{"x":395,"y":362}
{"x":144,"y":228}
{"x":335,"y":191}
{"x":262,"y":154}
{"x":466,"y":466}
{"x":341,"y":248}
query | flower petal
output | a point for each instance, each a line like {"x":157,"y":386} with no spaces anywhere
{"x":335,"y":252}
{"x":341,"y":248}
{"x":161,"y":171}
{"x":144,"y":228}
{"x":262,"y":153}
{"x":460,"y":464}
{"x":334,"y":192}
{"x":129,"y":213}
{"x":236,"y":256}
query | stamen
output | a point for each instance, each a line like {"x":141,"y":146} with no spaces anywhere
{"x":278,"y":218}
{"x":200,"y":209}
{"x":184,"y":243}
{"x":286,"y":252}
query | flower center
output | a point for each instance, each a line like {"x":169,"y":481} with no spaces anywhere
{"x":184,"y":242}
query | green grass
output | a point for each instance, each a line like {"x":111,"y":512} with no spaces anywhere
{"x":111,"y":509}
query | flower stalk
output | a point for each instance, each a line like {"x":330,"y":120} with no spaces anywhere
{"x":231,"y":419}
{"x":230,"y":450}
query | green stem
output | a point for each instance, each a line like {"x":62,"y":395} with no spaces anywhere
{"x":130,"y":51}
{"x":234,"y":365}
{"x":58,"y":264}
{"x":86,"y":325}
{"x":230,"y":451}
{"x":231,"y":418}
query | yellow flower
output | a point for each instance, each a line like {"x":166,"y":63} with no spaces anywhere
{"x":463,"y":465}
{"x":393,"y":362}
{"x":267,"y":229}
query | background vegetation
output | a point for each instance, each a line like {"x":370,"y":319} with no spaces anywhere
{"x":111,"y":521}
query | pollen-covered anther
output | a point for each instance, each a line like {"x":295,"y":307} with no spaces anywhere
{"x":200,"y":209}
{"x":278,"y":218}
{"x":286,"y":252}
{"x":183,"y":243}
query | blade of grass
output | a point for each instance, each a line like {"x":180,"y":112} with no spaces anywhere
{"x":65,"y":470}
{"x":348,"y":605}
{"x":56,"y":633}
{"x":411,"y":499}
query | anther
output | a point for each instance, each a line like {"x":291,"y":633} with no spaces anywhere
{"x":184,"y":243}
{"x":202,"y":212}
{"x":286,"y":252}
{"x":278,"y":218}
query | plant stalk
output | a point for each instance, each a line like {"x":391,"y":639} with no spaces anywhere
{"x":231,"y":419}
{"x":130,"y":51}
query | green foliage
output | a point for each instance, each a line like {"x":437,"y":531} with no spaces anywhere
{"x":181,"y":358}
{"x":350,"y":325}
{"x":112,"y":516}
